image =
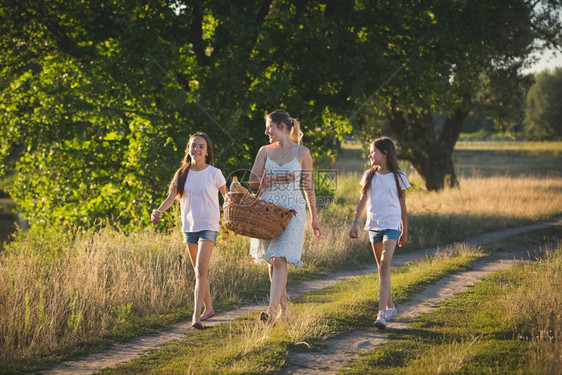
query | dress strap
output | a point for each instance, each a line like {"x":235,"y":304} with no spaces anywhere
{"x":297,"y":154}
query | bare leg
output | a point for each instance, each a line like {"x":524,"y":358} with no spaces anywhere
{"x":383,"y":255}
{"x":377,"y":251}
{"x":202,"y":294}
{"x":193,"y":250}
{"x":278,"y":292}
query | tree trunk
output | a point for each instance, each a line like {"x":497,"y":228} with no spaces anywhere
{"x":431,"y":155}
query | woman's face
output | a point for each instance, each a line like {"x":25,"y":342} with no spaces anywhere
{"x":198,"y":149}
{"x":376,"y":156}
{"x":272,"y":131}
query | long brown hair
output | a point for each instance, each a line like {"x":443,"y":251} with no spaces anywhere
{"x":181,"y":174}
{"x":386,"y":146}
{"x":293,"y":125}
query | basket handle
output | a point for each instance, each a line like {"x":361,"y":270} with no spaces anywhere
{"x":262,"y":179}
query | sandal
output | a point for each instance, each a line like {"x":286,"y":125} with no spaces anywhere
{"x":208,"y":316}
{"x":197,"y":325}
{"x":265,"y":317}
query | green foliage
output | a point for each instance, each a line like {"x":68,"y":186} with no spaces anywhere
{"x":98,"y":98}
{"x":455,"y":58}
{"x":501,"y":97}
{"x":543,"y":113}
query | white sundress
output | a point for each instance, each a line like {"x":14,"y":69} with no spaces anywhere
{"x":289,"y":243}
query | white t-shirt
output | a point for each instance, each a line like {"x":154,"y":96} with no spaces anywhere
{"x":200,"y":201}
{"x":383,"y":205}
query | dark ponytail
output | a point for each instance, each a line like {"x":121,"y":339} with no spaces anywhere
{"x":368,"y":180}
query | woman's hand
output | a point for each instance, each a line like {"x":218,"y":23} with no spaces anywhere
{"x":354,"y":231}
{"x":316,"y":229}
{"x":155,"y":216}
{"x":403,"y":240}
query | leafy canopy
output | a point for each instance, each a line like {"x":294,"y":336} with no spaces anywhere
{"x":98,"y":98}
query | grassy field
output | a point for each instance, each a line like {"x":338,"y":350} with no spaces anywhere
{"x":482,"y":158}
{"x":545,"y":148}
{"x":509,"y":323}
{"x":508,"y":159}
{"x":62,"y":294}
{"x":256,"y":349}
{"x":249,"y":348}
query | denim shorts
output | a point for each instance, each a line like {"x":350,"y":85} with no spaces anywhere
{"x":203,"y":235}
{"x":382,"y":235}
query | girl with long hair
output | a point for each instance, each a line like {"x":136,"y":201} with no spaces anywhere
{"x":383,"y":191}
{"x":195,"y":185}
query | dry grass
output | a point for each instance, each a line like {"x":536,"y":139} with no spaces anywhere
{"x":61,"y":289}
{"x":479,"y":205}
{"x":499,"y":198}
{"x":446,"y":358}
{"x":535,"y":308}
{"x":554,"y":147}
{"x":94,"y":283}
{"x":53,"y":298}
{"x":58,"y":290}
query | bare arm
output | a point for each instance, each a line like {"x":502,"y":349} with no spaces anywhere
{"x":257,"y":169}
{"x":156,"y":215}
{"x":354,"y":231}
{"x":223,"y":190}
{"x":404,"y":217}
{"x":308,"y":187}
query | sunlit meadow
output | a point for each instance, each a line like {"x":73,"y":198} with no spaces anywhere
{"x":60,"y":290}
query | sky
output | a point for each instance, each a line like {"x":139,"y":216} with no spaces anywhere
{"x":547,"y":61}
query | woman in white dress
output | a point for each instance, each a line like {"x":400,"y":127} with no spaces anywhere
{"x":278,"y":170}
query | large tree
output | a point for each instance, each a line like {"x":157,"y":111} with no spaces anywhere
{"x":456,"y":56}
{"x":99,"y":97}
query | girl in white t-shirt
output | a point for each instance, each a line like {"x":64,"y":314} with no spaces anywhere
{"x":384,"y":193}
{"x":196,"y":185}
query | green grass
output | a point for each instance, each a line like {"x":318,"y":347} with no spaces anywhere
{"x":484,"y":158}
{"x":506,"y":162}
{"x":483,"y":330}
{"x":246,"y":346}
{"x":115,"y":265}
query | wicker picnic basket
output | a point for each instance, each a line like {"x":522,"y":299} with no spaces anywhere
{"x":248,"y":215}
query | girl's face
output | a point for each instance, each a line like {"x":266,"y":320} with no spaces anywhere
{"x":376,"y":156}
{"x":272,"y":131}
{"x":198,"y":149}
